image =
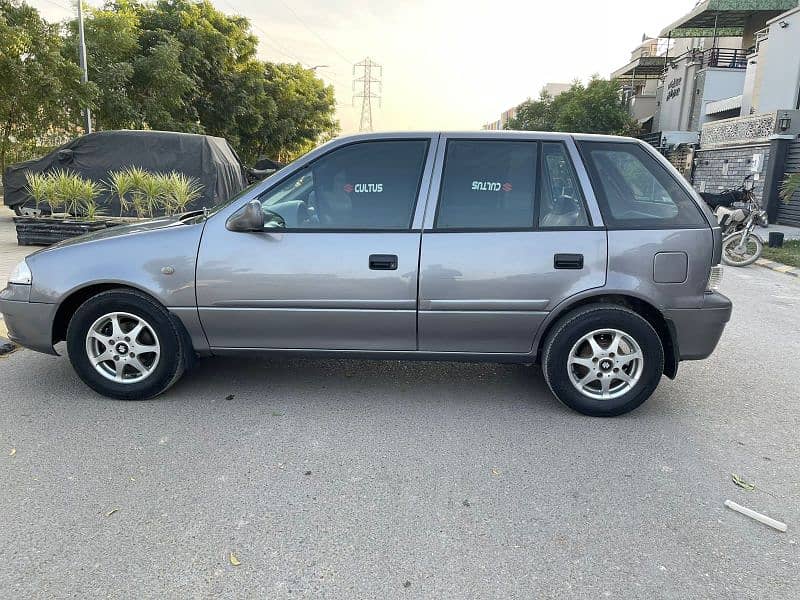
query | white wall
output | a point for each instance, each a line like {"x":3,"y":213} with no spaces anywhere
{"x":779,"y":65}
{"x":720,"y":84}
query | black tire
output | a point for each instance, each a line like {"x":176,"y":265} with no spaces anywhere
{"x":581,"y":322}
{"x":174,"y":350}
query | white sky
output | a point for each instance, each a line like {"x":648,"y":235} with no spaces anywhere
{"x":447,"y":64}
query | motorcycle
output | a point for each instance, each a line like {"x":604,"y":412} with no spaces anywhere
{"x":738,"y":213}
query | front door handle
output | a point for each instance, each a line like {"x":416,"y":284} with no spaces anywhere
{"x":568,"y":261}
{"x":383,"y":262}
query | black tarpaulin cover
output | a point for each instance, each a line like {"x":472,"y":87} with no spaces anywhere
{"x":210,"y":160}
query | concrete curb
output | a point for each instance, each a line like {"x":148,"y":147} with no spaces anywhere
{"x":779,"y":267}
{"x":6,"y":346}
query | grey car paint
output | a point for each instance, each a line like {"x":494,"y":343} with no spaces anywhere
{"x":491,"y":304}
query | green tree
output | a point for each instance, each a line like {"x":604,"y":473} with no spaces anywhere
{"x":42,"y":91}
{"x":593,"y":108}
{"x":301,"y":112}
{"x":182,"y":65}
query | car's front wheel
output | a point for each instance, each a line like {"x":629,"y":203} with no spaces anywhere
{"x":603,"y":360}
{"x":125,"y":345}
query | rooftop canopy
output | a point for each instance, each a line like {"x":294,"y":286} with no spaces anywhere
{"x":644,"y":67}
{"x":725,"y":18}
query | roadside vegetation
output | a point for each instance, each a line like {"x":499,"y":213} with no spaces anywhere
{"x":146,"y":194}
{"x":788,"y":254}
{"x":591,"y":108}
{"x":177,"y":65}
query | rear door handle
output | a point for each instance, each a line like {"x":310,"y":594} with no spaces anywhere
{"x":383,"y":262}
{"x":568,"y":261}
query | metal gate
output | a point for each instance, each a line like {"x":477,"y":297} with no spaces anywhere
{"x":789,"y":213}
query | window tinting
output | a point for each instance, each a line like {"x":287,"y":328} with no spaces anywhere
{"x":487,"y":185}
{"x":635,"y":190}
{"x":369,"y":185}
{"x":561,"y":203}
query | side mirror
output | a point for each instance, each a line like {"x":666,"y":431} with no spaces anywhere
{"x":249,"y":218}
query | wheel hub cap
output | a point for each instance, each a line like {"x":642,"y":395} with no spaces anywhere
{"x":123,"y":347}
{"x":605,"y":364}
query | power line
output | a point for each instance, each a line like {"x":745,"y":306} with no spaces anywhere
{"x":64,"y":6}
{"x":267,"y":39}
{"x":314,"y":33}
{"x":371,"y":75}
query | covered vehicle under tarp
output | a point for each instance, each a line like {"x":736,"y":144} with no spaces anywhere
{"x":210,"y":160}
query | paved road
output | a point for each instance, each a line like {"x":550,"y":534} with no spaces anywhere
{"x":399,"y":480}
{"x":10,"y":252}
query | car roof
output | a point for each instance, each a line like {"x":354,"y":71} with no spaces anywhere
{"x":490,"y":134}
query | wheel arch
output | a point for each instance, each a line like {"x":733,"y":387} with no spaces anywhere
{"x":641,"y":306}
{"x":70,"y":303}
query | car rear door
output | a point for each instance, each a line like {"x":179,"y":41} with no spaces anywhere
{"x":341,"y":274}
{"x":511,"y":229}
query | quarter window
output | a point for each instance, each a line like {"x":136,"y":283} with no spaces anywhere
{"x":561,"y":202}
{"x":635,"y":190}
{"x":369,"y":185}
{"x":487,"y":185}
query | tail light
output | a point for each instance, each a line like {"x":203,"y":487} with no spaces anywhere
{"x":714,"y":278}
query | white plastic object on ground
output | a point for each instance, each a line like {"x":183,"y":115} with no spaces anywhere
{"x":756,"y":515}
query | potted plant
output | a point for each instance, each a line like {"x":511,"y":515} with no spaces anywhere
{"x":74,"y":208}
{"x":72,"y":203}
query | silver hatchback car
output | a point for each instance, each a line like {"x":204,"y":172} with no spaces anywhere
{"x":587,"y":254}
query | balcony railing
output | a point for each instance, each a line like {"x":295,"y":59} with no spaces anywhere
{"x":720,"y":58}
{"x":724,"y":58}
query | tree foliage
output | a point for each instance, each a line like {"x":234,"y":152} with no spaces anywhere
{"x":182,"y":65}
{"x":591,"y":108}
{"x":174,"y":65}
{"x":41,"y":94}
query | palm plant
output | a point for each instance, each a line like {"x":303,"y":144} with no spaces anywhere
{"x":790,"y":186}
{"x":122,"y":184}
{"x":89,"y":191}
{"x":138,"y":178}
{"x":64,"y":191}
{"x":153,"y":188}
{"x":182,"y":190}
{"x":37,"y":187}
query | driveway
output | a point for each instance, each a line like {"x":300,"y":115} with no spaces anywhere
{"x":338,"y":479}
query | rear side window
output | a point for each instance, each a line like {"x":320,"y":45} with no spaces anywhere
{"x":635,"y":190}
{"x":487,"y":184}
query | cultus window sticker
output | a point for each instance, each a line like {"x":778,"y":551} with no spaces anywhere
{"x":364,"y":188}
{"x":491,"y":186}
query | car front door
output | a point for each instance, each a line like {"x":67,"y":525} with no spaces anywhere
{"x":336,"y":266}
{"x":511,"y":235}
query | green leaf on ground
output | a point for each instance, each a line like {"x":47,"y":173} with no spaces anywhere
{"x":742,"y":483}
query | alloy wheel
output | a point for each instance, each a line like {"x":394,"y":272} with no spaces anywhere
{"x":123,"y":347}
{"x":605,"y":364}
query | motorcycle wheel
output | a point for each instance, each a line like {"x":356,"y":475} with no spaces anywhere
{"x":747,"y":255}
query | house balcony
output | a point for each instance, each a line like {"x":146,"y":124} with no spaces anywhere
{"x":717,"y":58}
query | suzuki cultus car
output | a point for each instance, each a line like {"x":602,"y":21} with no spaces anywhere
{"x":588,"y":255}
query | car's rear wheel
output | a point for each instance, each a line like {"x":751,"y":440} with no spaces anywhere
{"x":603,"y":360}
{"x":125,"y":345}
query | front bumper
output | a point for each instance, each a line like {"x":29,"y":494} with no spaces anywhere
{"x":29,"y":324}
{"x":697,"y":330}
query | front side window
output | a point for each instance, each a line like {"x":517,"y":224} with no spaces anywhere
{"x":364,"y":186}
{"x":487,"y":184}
{"x":635,"y":190}
{"x":561,"y":200}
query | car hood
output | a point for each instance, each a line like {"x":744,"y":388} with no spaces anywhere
{"x":123,"y":230}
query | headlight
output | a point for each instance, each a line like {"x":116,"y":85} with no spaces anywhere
{"x":714,"y":278}
{"x":21,"y":274}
